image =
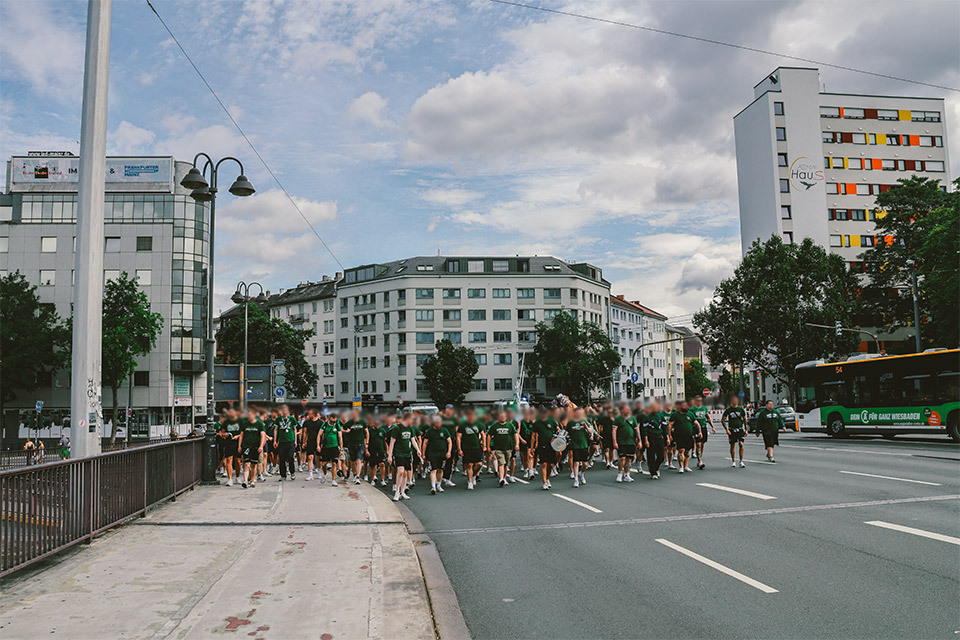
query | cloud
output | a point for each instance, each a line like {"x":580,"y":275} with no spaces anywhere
{"x":129,"y":139}
{"x":42,"y":45}
{"x":450,"y":197}
{"x":269,"y":211}
{"x":369,"y":108}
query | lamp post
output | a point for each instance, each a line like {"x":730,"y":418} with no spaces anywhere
{"x":202,"y":191}
{"x":242,"y":295}
{"x":916,"y":308}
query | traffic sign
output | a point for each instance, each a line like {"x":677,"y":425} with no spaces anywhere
{"x":357,"y":401}
{"x":304,"y":402}
{"x":39,"y":406}
{"x":634,"y":377}
{"x":280,"y":392}
{"x":741,"y":394}
{"x":706,"y":392}
{"x":279,"y":369}
{"x":280,"y":380}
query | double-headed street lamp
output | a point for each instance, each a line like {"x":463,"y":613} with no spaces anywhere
{"x":242,"y":296}
{"x":912,"y":265}
{"x":202,"y":191}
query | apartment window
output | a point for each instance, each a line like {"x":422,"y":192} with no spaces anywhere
{"x":859,"y":138}
{"x":863,"y":190}
{"x":424,"y":294}
{"x":344,"y":387}
{"x":475,"y":266}
{"x":836,"y":241}
{"x":501,"y":336}
{"x":526,"y":314}
{"x":344,"y":343}
{"x":453,"y":336}
{"x":858,"y":214}
{"x":451,"y":294}
{"x":523,"y":266}
{"x":550,"y":314}
{"x":934,"y":165}
{"x":402,"y":386}
{"x":386,"y":361}
{"x":343,"y":304}
{"x":141,"y":378}
{"x":477,"y":336}
{"x":144,"y":243}
{"x":551,"y":294}
{"x":479,"y":384}
{"x":477,"y":314}
{"x":503,"y":384}
{"x":853,"y":113}
{"x":893,"y":140}
{"x":778,"y":108}
{"x":48,"y":244}
{"x":111,"y":245}
{"x":829,"y":112}
{"x":887,"y":114}
{"x":344,"y":323}
{"x":500,"y":266}
{"x":785,"y":212}
{"x":501,"y":314}
{"x":344,"y":364}
{"x":476,"y":293}
{"x":481,"y":358}
{"x":4,"y":244}
{"x":781,"y":133}
{"x":144,"y":277}
{"x":424,"y":338}
{"x":451,"y":314}
{"x":424,"y":315}
{"x":781,"y":160}
{"x":501,"y":293}
{"x":424,"y":267}
{"x":788,"y":237}
{"x":867,"y":241}
{"x":110,"y":274}
{"x":452,"y":266}
{"x":784,"y":185}
{"x":402,"y":295}
{"x":829,"y":137}
{"x":502,"y":358}
{"x":925,"y":116}
{"x":526,"y":336}
{"x":526,"y":293}
{"x":852,"y":163}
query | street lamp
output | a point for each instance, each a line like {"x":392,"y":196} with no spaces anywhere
{"x":916,"y":308}
{"x":242,"y":296}
{"x":202,"y":191}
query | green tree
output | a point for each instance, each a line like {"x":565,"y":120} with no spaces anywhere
{"x":270,"y":338}
{"x":580,"y":357}
{"x":130,"y":330}
{"x":34,"y":340}
{"x":695,"y":378}
{"x":730,"y":385}
{"x":916,"y":221}
{"x":449,"y":373}
{"x":759,"y":314}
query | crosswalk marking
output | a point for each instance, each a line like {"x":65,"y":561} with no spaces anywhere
{"x":743,"y":492}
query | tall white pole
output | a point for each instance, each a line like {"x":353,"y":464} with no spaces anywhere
{"x":86,"y":410}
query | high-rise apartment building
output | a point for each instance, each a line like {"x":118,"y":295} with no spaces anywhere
{"x":810,"y":163}
{"x":634,"y":327}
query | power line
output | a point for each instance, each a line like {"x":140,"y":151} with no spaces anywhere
{"x":721,"y":43}
{"x":242,"y":133}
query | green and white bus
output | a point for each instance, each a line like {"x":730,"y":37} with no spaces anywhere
{"x":885,"y":395}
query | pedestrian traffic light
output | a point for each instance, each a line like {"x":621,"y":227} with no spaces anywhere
{"x":628,"y":387}
{"x":837,"y":329}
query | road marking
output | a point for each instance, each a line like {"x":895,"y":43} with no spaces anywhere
{"x":522,"y":481}
{"x":719,"y":567}
{"x":916,"y":532}
{"x":578,"y":503}
{"x":693,"y":516}
{"x":871,"y":475}
{"x":759,"y":496}
{"x":759,"y":462}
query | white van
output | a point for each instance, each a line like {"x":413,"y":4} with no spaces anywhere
{"x":428,"y":409}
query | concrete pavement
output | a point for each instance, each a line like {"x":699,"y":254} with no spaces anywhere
{"x":282,"y":560}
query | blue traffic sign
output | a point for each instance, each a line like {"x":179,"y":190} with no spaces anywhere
{"x":741,"y":394}
{"x":634,"y":377}
{"x":280,"y":392}
{"x":39,"y":406}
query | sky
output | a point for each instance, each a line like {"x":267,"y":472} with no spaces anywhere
{"x":408,"y":127}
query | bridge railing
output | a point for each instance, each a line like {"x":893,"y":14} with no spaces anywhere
{"x":47,"y":508}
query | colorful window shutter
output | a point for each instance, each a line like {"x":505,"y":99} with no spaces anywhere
{"x":846,"y":136}
{"x":888,"y":240}
{"x":881,"y":138}
{"x":914,"y":141}
{"x":854,"y":241}
{"x":852,"y":188}
{"x":880,"y":214}
{"x":845,"y":165}
{"x":877,"y":164}
{"x":904,"y":114}
{"x":870,"y":114}
{"x":841,"y":111}
{"x":910,"y":165}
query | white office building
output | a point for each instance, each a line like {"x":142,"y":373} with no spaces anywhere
{"x":633,"y":326}
{"x":810,"y":163}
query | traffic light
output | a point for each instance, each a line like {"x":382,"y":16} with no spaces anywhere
{"x":837,"y":329}
{"x":628,"y":387}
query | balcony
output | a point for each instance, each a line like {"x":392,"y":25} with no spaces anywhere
{"x":297,"y":318}
{"x":365,"y":307}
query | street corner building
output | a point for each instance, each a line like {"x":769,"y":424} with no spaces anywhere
{"x":153,"y":231}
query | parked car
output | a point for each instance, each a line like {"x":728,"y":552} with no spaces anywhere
{"x":428,"y":409}
{"x":786,"y":412}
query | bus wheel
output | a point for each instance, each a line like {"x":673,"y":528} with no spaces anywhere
{"x":953,"y":426}
{"x":835,"y":426}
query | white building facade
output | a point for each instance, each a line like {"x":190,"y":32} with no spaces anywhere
{"x":810,"y":164}
{"x":633,"y":326}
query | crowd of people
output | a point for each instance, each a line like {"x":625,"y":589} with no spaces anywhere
{"x":396,"y":448}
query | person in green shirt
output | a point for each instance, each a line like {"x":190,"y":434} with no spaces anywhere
{"x":625,"y":434}
{"x":526,"y":438}
{"x":450,"y":423}
{"x":581,"y":431}
{"x":402,"y":445}
{"x":671,"y":445}
{"x":252,"y":439}
{"x":331,"y":444}
{"x":504,"y":441}
{"x":733,"y":421}
{"x":683,"y":426}
{"x":604,"y":423}
{"x":654,"y":436}
{"x":471,"y":436}
{"x":376,"y":453}
{"x":285,"y":435}
{"x":703,"y":418}
{"x":769,"y":423}
{"x":542,"y":432}
{"x":230,"y":426}
{"x":439,"y":448}
{"x":355,"y":439}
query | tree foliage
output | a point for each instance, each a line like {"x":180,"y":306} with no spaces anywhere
{"x":916,"y":221}
{"x":695,"y":378}
{"x":730,"y":384}
{"x":270,"y":338}
{"x":130,"y":330}
{"x":34,"y":340}
{"x":580,"y":357}
{"x":758,"y":315}
{"x":449,"y":373}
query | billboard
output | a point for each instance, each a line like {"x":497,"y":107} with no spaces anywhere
{"x":59,"y":169}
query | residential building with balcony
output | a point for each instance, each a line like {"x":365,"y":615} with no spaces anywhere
{"x":636,"y":328}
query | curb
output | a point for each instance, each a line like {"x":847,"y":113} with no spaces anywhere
{"x":447,"y":615}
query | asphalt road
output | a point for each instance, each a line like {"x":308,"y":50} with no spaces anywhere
{"x":675,"y":559}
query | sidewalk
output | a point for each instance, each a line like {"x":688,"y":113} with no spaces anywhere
{"x":280,"y":561}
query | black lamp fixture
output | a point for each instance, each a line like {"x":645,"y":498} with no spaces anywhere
{"x":241,"y":187}
{"x":194,"y":180}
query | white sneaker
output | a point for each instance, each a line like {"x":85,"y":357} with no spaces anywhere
{"x":553,"y":472}
{"x":469,"y":486}
{"x":546,"y":487}
{"x":733,"y":463}
{"x":366,"y":477}
{"x":440,"y":488}
{"x":333,"y":484}
{"x":449,"y":482}
{"x":687,"y":469}
{"x":681,"y":470}
{"x":405,"y":495}
{"x":576,"y":483}
{"x":396,"y":497}
{"x":583,"y":479}
{"x":627,"y":479}
{"x":573,"y":476}
{"x":742,"y":466}
{"x":513,"y":480}
{"x":230,"y":482}
{"x":619,"y":477}
{"x":671,"y":466}
{"x":356,"y":480}
{"x":549,"y":485}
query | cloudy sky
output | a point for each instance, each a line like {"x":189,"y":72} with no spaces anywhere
{"x":404,"y":127}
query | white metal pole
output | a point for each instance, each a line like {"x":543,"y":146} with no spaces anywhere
{"x":86,"y":410}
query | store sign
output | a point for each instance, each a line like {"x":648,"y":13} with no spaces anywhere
{"x":805,"y":174}
{"x":46,"y":169}
{"x":181,"y":386}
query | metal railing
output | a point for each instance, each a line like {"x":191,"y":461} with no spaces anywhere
{"x":19,"y":457}
{"x":47,"y":508}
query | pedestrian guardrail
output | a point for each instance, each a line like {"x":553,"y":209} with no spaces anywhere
{"x":47,"y":508}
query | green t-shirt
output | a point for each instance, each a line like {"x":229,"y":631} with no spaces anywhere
{"x":682,"y":422}
{"x":700,"y":414}
{"x":579,"y":436}
{"x":626,"y":429}
{"x":375,"y":439}
{"x":328,"y":434}
{"x":503,"y":436}
{"x":250,"y":438}
{"x":286,"y":429}
{"x":402,"y":437}
{"x":544,"y":431}
{"x":605,"y":423}
{"x":354,"y":432}
{"x":526,"y":430}
{"x":769,"y":420}
{"x":233,"y":427}
{"x":470,"y":435}
{"x":436,"y":441}
{"x":736,"y":417}
{"x":652,"y":424}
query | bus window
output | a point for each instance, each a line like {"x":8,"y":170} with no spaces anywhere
{"x":890,"y":395}
{"x":863,"y":391}
{"x":918,"y":389}
{"x":806,"y":399}
{"x":834,"y":392}
{"x":948,"y":386}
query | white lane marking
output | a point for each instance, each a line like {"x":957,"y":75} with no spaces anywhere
{"x":916,"y":532}
{"x":759,"y":462}
{"x":759,"y":496}
{"x":578,"y":503}
{"x":719,"y":567}
{"x":872,"y":475}
{"x":522,"y":481}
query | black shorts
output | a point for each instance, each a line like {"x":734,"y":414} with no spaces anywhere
{"x":311,"y":448}
{"x":546,"y":455}
{"x":330,"y":454}
{"x":771,"y":439}
{"x":376,"y":457}
{"x":472,"y":456}
{"x":684,"y":441}
{"x":627,"y":450}
{"x":402,"y":462}
{"x":700,"y":437}
{"x":355,"y":452}
{"x":581,"y":455}
{"x":251,"y":455}
{"x":736,"y":436}
{"x":436,"y":461}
